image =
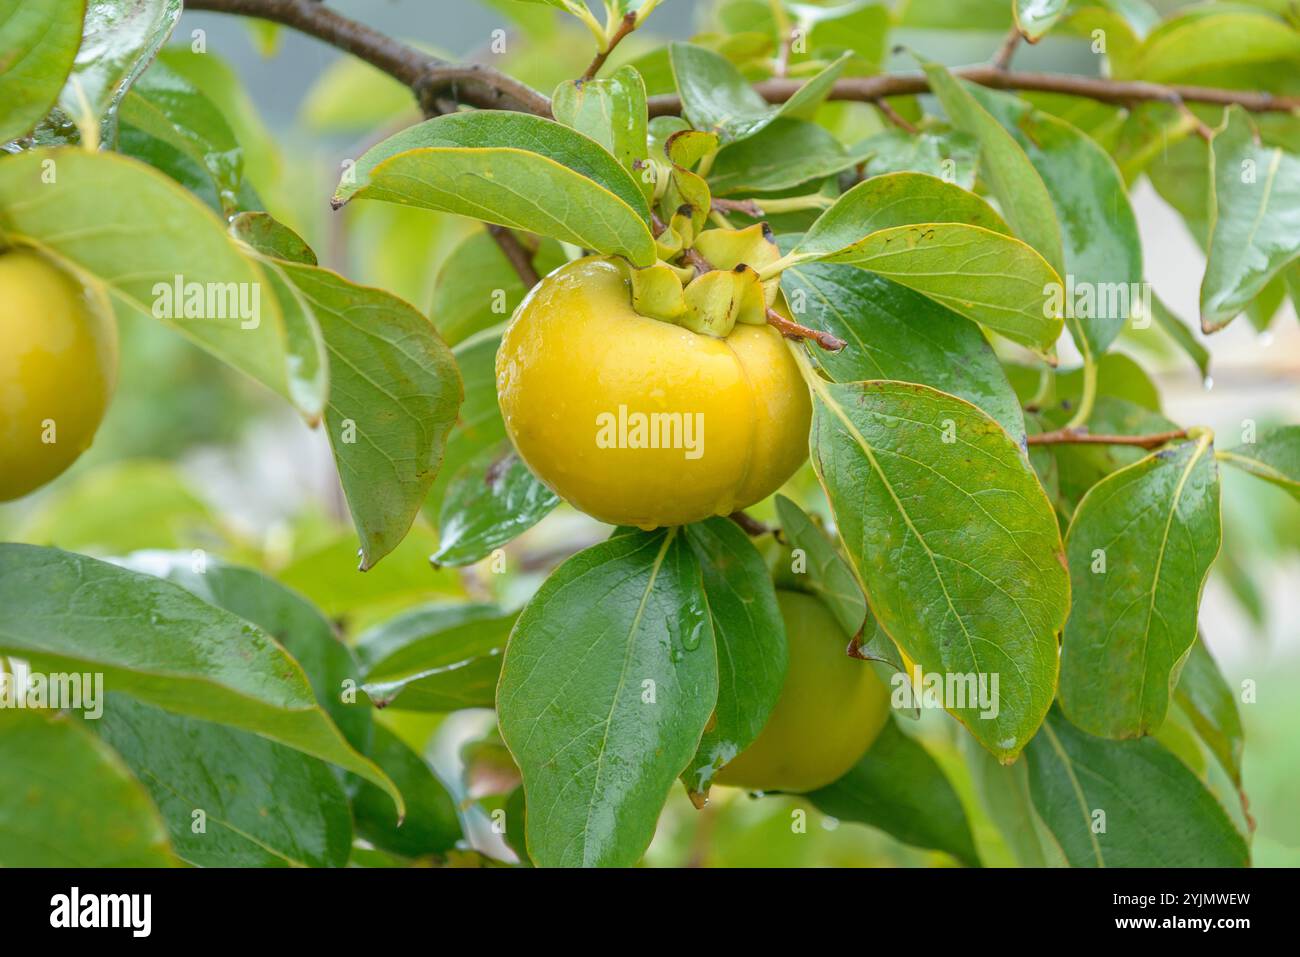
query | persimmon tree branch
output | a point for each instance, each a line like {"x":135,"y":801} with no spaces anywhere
{"x":1084,"y":437}
{"x":484,"y":87}
{"x":626,"y":26}
{"x":519,"y":256}
{"x":1002,"y":59}
{"x":430,"y":78}
{"x":869,"y":89}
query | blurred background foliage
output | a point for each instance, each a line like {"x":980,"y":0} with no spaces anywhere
{"x":193,"y":456}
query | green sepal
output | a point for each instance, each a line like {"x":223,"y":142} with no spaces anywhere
{"x":657,"y":292}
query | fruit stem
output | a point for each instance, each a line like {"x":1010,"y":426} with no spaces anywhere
{"x":778,"y":267}
{"x":793,"y":330}
{"x":751,"y":526}
{"x":793,"y":204}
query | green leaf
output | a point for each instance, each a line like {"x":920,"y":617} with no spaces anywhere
{"x":1035,"y":17}
{"x":953,"y":539}
{"x":1254,"y":219}
{"x":394,"y":396}
{"x":716,"y":97}
{"x":803,"y":105}
{"x":828,"y":575}
{"x":507,"y":168}
{"x":431,"y":825}
{"x":1157,"y":814}
{"x":166,"y":107}
{"x":1182,"y":335}
{"x":608,"y":682}
{"x":66,"y":800}
{"x":1210,"y":704}
{"x":1102,"y":251}
{"x":751,"y":645}
{"x":1003,"y":794}
{"x":1140,"y":546}
{"x":1025,"y":200}
{"x":477,"y":288}
{"x":284,"y":615}
{"x":158,"y":642}
{"x":1273,"y":456}
{"x":40,"y":42}
{"x":1205,"y":39}
{"x":785,"y":154}
{"x":895,"y":199}
{"x":263,"y":804}
{"x":895,"y":333}
{"x":135,"y":230}
{"x":271,"y":238}
{"x":480,"y":426}
{"x":436,"y":658}
{"x":989,"y":278}
{"x":120,"y":39}
{"x":612,"y":111}
{"x":950,"y":155}
{"x":489,"y":502}
{"x":897,"y":787}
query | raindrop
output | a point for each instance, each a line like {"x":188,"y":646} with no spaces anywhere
{"x":1208,"y":383}
{"x":1265,"y":339}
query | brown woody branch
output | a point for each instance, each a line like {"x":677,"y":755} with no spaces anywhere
{"x":1002,"y":59}
{"x":750,"y":525}
{"x":868,"y":89}
{"x":1083,"y":437}
{"x":793,"y":330}
{"x":431,"y":78}
{"x":484,"y":87}
{"x":627,"y":25}
{"x":519,"y":256}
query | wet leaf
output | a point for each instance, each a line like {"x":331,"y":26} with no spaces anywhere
{"x":969,"y":580}
{"x":609,"y":680}
{"x":1140,"y":546}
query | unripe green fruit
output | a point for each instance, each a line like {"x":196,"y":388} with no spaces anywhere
{"x":832,"y":707}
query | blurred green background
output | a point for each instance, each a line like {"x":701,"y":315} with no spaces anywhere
{"x":193,"y":456}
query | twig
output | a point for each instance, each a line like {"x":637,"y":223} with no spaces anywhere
{"x":428,"y":76}
{"x":698,"y":262}
{"x":484,"y":87}
{"x":1084,"y":437}
{"x":519,"y":256}
{"x":1002,"y":59}
{"x":870,"y":88}
{"x":792,"y":330}
{"x":624,"y":28}
{"x":749,"y":207}
{"x":751,"y":526}
{"x":894,"y":116}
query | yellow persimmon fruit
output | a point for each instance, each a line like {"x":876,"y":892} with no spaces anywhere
{"x":831,"y":708}
{"x":640,"y":421}
{"x":58,"y":368}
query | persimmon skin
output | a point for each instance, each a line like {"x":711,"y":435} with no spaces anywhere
{"x":576,"y":353}
{"x":832,"y":707}
{"x":58,"y":370}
